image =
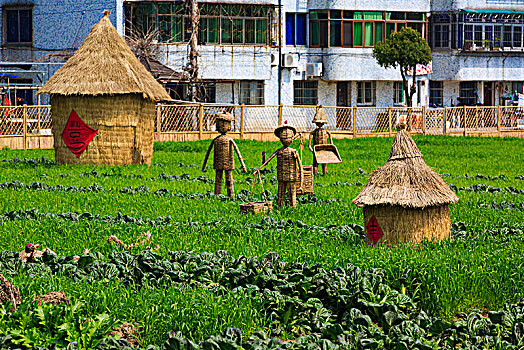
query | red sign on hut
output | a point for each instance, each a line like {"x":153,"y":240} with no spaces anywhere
{"x":77,"y":135}
{"x":374,"y":231}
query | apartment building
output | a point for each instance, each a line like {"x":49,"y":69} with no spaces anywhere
{"x":478,"y":52}
{"x":38,"y":36}
{"x":291,"y":52}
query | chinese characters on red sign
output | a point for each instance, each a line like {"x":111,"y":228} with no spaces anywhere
{"x":374,"y":231}
{"x":77,"y":135}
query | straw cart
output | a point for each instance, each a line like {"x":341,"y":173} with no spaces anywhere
{"x":405,"y":201}
{"x":113,"y":95}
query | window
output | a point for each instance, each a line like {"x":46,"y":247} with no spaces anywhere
{"x":398,"y":93}
{"x":206,"y":92}
{"x":468,"y":93}
{"x":479,"y":31}
{"x":517,"y":86}
{"x":19,"y":26}
{"x":235,"y":24}
{"x":436,"y":94}
{"x":366,"y":93}
{"x":441,"y":36}
{"x":251,"y":92}
{"x":336,"y":28}
{"x":296,"y":28}
{"x":305,"y":92}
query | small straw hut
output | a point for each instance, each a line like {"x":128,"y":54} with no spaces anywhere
{"x":405,"y":201}
{"x":114,"y":96}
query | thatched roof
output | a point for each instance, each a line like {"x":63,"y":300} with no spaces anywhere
{"x":405,"y":180}
{"x":104,"y":64}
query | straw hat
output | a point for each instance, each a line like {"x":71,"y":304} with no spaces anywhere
{"x":284,"y":126}
{"x":405,"y":180}
{"x":320,"y":116}
{"x":225,"y":116}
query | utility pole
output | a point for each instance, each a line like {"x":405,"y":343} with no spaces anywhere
{"x":192,"y":54}
{"x":279,"y":52}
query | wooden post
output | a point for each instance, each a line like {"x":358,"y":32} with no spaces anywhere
{"x":242,"y":111}
{"x":464,"y":119}
{"x":424,"y":120}
{"x":389,"y":121}
{"x":354,"y":121}
{"x":410,"y":119}
{"x":280,"y":114}
{"x":200,"y":121}
{"x":444,"y":125}
{"x":499,"y":115}
{"x":477,"y":118}
{"x":24,"y":109}
{"x":158,"y":121}
{"x":39,"y":114}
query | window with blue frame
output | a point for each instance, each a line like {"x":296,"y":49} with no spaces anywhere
{"x":296,"y":28}
{"x":19,"y":26}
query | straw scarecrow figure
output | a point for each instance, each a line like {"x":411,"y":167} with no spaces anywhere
{"x":319,"y":136}
{"x":405,"y":201}
{"x":287,"y":161}
{"x":224,"y":157}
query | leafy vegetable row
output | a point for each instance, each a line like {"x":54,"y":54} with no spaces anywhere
{"x":486,"y":188}
{"x":351,"y":230}
{"x":345,"y":307}
{"x":243,"y":196}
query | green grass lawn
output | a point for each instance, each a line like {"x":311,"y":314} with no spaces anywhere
{"x":481,"y":268}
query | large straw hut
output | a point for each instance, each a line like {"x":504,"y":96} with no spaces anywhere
{"x":112,"y":93}
{"x":405,"y":200}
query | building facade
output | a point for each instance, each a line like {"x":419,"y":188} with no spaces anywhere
{"x":478,"y":52}
{"x":290,"y":52}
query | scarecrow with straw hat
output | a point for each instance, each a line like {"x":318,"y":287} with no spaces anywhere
{"x":224,"y":157}
{"x":287,"y":160}
{"x":319,"y":136}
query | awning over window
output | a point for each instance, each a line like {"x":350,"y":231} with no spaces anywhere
{"x":492,"y":11}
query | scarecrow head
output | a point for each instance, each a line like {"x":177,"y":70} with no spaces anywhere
{"x":223,"y":122}
{"x":320,"y":117}
{"x":286,"y":133}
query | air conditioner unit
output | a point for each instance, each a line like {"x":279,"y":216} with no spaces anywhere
{"x":274,"y":59}
{"x":290,"y":60}
{"x":313,"y":69}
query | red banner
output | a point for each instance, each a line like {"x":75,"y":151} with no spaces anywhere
{"x":77,"y":135}
{"x":374,"y":231}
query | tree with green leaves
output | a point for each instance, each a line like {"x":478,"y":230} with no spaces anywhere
{"x":405,"y":49}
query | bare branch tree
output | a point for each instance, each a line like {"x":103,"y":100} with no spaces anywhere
{"x":144,"y":44}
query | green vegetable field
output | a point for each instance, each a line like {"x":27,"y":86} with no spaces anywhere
{"x":152,"y":246}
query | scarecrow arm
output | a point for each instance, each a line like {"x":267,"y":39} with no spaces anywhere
{"x":267,"y":161}
{"x":207,"y":155}
{"x":239,"y":156}
{"x":299,"y":162}
{"x":309,"y":142}
{"x":330,"y":136}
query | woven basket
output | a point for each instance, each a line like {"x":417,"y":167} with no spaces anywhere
{"x":307,"y":187}
{"x":257,"y":207}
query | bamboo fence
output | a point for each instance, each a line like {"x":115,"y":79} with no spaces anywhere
{"x":25,"y":127}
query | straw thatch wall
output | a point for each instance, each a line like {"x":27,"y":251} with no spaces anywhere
{"x":125,"y":128}
{"x":409,"y":225}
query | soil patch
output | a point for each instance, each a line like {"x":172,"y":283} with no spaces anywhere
{"x":9,"y":292}
{"x":129,"y":332}
{"x":54,"y":298}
